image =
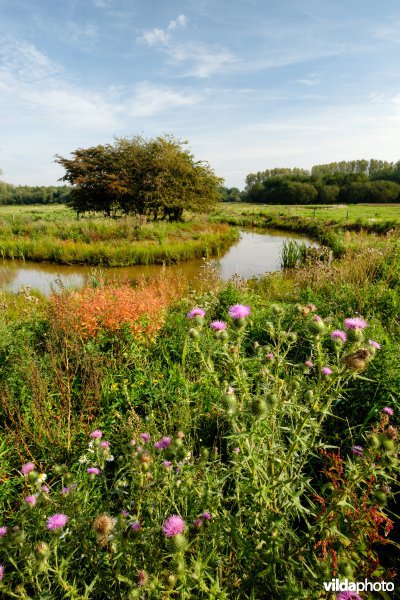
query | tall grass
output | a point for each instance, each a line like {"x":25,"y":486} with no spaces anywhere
{"x":293,"y":254}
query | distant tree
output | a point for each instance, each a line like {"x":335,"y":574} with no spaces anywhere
{"x":232,"y":194}
{"x":155,"y":177}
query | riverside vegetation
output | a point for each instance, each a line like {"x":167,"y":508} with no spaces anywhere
{"x":54,"y":234}
{"x":237,"y":442}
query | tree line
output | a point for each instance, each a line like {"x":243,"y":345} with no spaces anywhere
{"x":25,"y":194}
{"x":345,"y":182}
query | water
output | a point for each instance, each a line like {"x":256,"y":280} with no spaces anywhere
{"x":254,"y":254}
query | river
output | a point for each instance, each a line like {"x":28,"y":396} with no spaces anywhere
{"x":254,"y":254}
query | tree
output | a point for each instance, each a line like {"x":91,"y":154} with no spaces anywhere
{"x":155,"y":177}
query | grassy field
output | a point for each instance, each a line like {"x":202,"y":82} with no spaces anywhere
{"x":54,"y":234}
{"x":360,"y":215}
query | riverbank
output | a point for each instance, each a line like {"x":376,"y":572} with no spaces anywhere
{"x":53,"y":234}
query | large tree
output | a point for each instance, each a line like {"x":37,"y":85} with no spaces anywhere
{"x":156,"y":177}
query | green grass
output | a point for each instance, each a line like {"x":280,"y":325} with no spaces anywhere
{"x":54,"y":234}
{"x":351,"y":215}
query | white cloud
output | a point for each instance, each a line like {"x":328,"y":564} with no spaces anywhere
{"x":180,"y":21}
{"x":155,"y":37}
{"x":198,"y":60}
{"x":390,"y":32}
{"x":150,"y":99}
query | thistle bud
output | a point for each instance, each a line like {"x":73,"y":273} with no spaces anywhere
{"x":259,"y":407}
{"x":180,"y":542}
{"x":388,"y":444}
{"x":292,"y":337}
{"x":277,"y":310}
{"x":42,"y":550}
{"x":355,"y":335}
{"x":374,"y":441}
{"x":194,"y":334}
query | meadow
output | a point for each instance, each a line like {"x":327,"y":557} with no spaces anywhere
{"x":235,"y":442}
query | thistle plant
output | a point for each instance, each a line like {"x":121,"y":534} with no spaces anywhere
{"x":256,"y":505}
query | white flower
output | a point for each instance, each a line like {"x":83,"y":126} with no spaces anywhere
{"x":110,"y":458}
{"x":83,"y":459}
{"x":42,"y":477}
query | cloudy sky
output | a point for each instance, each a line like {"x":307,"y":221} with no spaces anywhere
{"x":251,"y":84}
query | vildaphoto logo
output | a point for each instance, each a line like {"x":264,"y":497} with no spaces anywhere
{"x":336,"y":585}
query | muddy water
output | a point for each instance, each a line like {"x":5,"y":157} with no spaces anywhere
{"x":254,"y":254}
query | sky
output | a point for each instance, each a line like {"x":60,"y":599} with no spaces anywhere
{"x":250,"y":84}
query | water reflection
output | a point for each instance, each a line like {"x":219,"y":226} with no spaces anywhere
{"x":254,"y":254}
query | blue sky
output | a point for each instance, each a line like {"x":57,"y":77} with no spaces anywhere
{"x":251,"y":84}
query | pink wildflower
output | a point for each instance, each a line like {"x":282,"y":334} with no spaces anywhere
{"x":374,"y":344}
{"x":236,"y":450}
{"x":357,"y":450}
{"x":270,"y":355}
{"x":56,"y":521}
{"x":326,"y":371}
{"x":45,"y":488}
{"x":206,"y":516}
{"x":174,"y":525}
{"x":3,"y":530}
{"x":197,"y":523}
{"x":104,"y":444}
{"x":218,"y":325}
{"x":339,"y":335}
{"x":355,"y":323}
{"x":97,"y":433}
{"x":388,"y":410}
{"x":239,"y":311}
{"x":27,"y":468}
{"x":135,"y":526}
{"x":167,"y":464}
{"x":196,"y":312}
{"x":93,"y":471}
{"x":31,"y":500}
{"x":1,"y":572}
{"x":348,"y":596}
{"x":317,"y":319}
{"x":145,"y":437}
{"x":309,"y":364}
{"x":163,"y":443}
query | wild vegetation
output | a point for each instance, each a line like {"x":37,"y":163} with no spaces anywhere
{"x":54,"y":234}
{"x":240,"y":442}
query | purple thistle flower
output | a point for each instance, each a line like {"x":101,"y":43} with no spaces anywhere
{"x":357,"y":450}
{"x":145,"y":437}
{"x":93,"y":471}
{"x":56,"y":521}
{"x":97,"y":433}
{"x":174,"y":525}
{"x":124,"y":512}
{"x":104,"y":444}
{"x":355,"y":323}
{"x":388,"y":410}
{"x":317,"y":319}
{"x":311,"y":306}
{"x":309,"y":364}
{"x":339,"y":335}
{"x":167,"y":464}
{"x":239,"y":311}
{"x":197,"y":523}
{"x":218,"y":325}
{"x":196,"y":312}
{"x":270,"y":355}
{"x":136,"y":526}
{"x":236,"y":450}
{"x":65,"y":490}
{"x":163,"y":443}
{"x":374,"y":344}
{"x":206,"y":516}
{"x":31,"y":500}
{"x":45,"y":489}
{"x":3,"y":530}
{"x":1,"y":572}
{"x":326,"y":371}
{"x":27,"y":468}
{"x":348,"y":596}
